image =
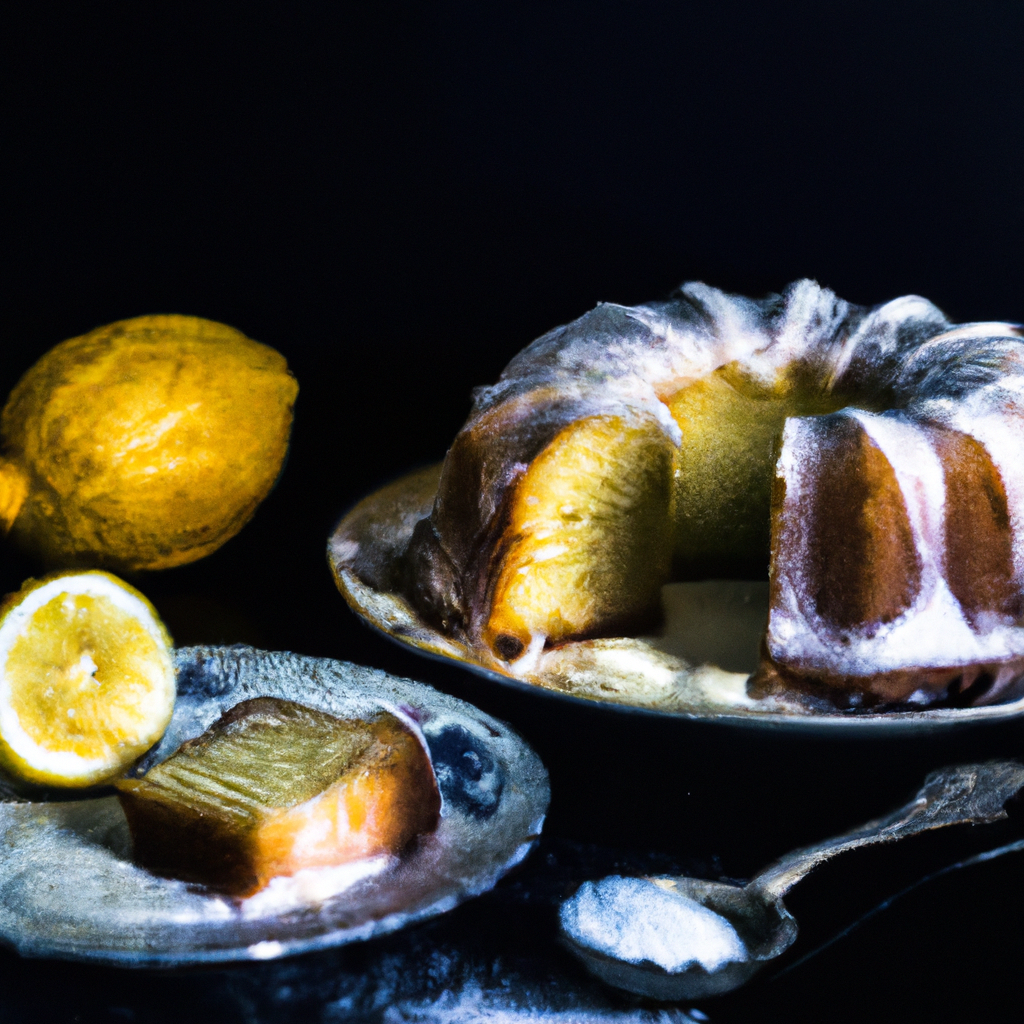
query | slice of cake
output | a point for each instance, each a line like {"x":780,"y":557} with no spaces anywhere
{"x":274,"y":787}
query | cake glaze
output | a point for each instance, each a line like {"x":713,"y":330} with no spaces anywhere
{"x":883,"y":447}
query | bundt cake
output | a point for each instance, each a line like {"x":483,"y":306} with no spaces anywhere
{"x":871,"y":458}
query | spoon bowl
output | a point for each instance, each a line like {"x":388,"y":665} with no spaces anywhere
{"x":765,"y":929}
{"x":631,"y":937}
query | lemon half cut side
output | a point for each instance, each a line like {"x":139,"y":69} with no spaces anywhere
{"x":86,"y":679}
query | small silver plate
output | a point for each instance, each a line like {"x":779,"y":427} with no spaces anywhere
{"x":69,"y":889}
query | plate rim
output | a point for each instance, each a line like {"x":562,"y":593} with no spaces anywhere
{"x":889,"y":723}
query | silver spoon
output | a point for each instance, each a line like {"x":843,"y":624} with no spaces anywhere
{"x":678,"y":938}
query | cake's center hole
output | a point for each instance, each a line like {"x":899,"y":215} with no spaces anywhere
{"x":732,"y":431}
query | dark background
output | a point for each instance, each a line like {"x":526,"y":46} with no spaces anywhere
{"x":398,"y":200}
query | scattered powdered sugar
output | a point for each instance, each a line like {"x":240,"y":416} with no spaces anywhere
{"x":472,"y":1003}
{"x":310,"y":886}
{"x":634,"y":919}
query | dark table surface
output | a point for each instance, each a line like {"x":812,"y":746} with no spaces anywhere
{"x":631,"y":793}
{"x":399,"y":202}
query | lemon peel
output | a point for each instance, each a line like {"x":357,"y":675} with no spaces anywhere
{"x":86,"y":679}
{"x":145,"y":444}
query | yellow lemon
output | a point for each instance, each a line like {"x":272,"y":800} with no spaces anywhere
{"x":144,"y":444}
{"x":86,"y":679}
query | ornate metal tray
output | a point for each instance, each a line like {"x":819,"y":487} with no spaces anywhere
{"x":68,"y":887}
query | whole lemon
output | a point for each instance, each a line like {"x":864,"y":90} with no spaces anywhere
{"x":144,"y":444}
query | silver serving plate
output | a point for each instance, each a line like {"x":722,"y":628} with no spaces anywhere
{"x":69,"y":889}
{"x":696,"y":667}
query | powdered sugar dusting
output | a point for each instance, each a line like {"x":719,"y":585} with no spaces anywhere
{"x":636,"y":920}
{"x":932,"y":632}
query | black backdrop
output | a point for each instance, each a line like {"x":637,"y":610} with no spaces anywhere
{"x":398,"y":200}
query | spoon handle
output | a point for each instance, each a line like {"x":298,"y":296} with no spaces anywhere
{"x":962,"y":794}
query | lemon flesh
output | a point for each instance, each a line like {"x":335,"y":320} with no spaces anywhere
{"x":86,"y":680}
{"x":145,"y":444}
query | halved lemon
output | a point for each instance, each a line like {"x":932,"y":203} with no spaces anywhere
{"x":86,"y":679}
